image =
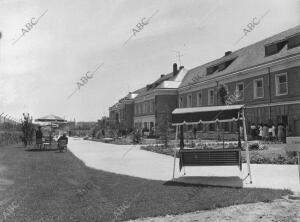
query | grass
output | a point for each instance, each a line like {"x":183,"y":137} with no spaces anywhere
{"x":51,"y":186}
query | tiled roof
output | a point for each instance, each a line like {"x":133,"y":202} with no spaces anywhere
{"x":247,"y":57}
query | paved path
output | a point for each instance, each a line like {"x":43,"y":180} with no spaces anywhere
{"x":130,"y":160}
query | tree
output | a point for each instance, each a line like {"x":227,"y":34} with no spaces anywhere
{"x":27,"y":129}
{"x":164,"y":125}
{"x":223,"y":94}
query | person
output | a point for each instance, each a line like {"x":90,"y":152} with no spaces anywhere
{"x":273,"y":133}
{"x":270,"y":134}
{"x":280,"y":133}
{"x":60,"y":143}
{"x":265,"y":132}
{"x":259,"y":133}
{"x":195,"y":132}
{"x":253,"y":131}
{"x":39,"y":138}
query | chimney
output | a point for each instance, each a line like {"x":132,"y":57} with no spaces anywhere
{"x":175,"y":71}
{"x":228,"y":53}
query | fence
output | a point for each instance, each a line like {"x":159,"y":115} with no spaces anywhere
{"x":8,"y":138}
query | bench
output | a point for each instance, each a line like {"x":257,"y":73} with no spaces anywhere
{"x":210,"y":157}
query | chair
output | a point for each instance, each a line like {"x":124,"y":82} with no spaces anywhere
{"x":47,"y":143}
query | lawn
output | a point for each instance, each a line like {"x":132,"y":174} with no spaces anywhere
{"x":50,"y":186}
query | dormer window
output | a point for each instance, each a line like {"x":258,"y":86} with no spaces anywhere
{"x":274,"y":48}
{"x":219,"y":67}
{"x":224,"y":65}
{"x":211,"y":70}
{"x":294,"y":41}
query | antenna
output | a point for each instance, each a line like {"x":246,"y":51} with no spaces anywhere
{"x":178,"y":56}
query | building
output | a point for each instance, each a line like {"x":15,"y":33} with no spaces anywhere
{"x":121,"y":114}
{"x":155,"y":103}
{"x":264,"y":76}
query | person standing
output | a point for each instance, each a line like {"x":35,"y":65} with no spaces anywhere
{"x":280,"y":132}
{"x":260,"y":132}
{"x":39,"y":138}
{"x":273,"y":133}
{"x":253,"y":131}
{"x":265,"y":133}
{"x":195,"y":132}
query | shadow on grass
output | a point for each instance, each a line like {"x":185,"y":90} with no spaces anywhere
{"x":196,"y":181}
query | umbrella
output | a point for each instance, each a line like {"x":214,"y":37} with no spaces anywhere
{"x":51,"y":118}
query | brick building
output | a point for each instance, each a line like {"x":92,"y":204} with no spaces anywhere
{"x":156,"y":102}
{"x":122,"y":113}
{"x":264,"y":75}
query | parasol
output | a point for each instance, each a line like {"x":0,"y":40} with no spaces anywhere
{"x":51,"y":118}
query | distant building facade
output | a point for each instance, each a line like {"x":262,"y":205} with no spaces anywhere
{"x":264,"y":76}
{"x":155,"y":103}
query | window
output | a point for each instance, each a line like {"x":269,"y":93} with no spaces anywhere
{"x":211,"y":70}
{"x":151,"y":107}
{"x":211,"y":96}
{"x":199,"y":99}
{"x":225,"y":126}
{"x":219,"y":67}
{"x":294,"y":41}
{"x":274,"y":48}
{"x":281,"y":83}
{"x":258,"y":88}
{"x":180,"y":102}
{"x":135,"y":109}
{"x":224,"y":65}
{"x":239,"y":91}
{"x":189,"y":101}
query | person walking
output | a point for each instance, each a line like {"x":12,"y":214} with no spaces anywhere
{"x":39,"y":138}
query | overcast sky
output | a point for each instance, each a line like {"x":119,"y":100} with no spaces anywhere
{"x":40,"y":71}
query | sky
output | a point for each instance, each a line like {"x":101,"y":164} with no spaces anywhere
{"x":39,"y":71}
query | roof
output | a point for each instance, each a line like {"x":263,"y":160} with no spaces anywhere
{"x":168,"y":81}
{"x":50,"y":118}
{"x":247,"y":57}
{"x":206,"y":109}
{"x":208,"y":114}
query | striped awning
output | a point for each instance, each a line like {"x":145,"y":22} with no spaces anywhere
{"x":208,"y":114}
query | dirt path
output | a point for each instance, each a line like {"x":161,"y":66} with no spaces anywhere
{"x":279,"y":210}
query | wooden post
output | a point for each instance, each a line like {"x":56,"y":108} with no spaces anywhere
{"x":176,"y":134}
{"x":247,"y":146}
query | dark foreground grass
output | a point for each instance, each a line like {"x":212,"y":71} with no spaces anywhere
{"x":51,"y":186}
